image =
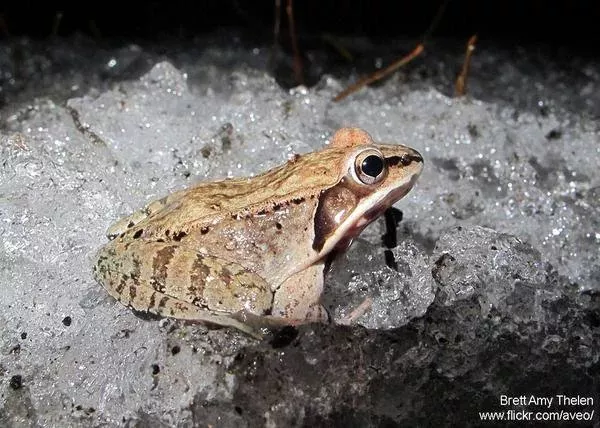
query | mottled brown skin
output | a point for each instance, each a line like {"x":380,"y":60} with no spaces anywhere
{"x":251,"y":250}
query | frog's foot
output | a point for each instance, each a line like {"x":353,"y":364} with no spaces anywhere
{"x":357,"y":312}
{"x":167,"y":306}
{"x":189,"y":312}
{"x":316,"y":314}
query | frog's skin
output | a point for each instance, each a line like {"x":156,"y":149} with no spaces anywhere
{"x":251,"y":251}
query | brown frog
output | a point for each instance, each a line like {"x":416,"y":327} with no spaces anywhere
{"x":251,"y":252}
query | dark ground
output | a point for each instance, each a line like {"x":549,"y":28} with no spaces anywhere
{"x":542,"y":333}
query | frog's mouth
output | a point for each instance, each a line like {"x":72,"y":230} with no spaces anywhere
{"x":383,"y":204}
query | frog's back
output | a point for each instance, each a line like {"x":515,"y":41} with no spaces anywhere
{"x":208,"y":202}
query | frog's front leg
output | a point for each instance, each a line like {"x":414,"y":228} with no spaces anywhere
{"x":172,"y":280}
{"x":297,"y":299}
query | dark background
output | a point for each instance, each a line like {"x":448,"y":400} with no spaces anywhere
{"x":44,"y":45}
{"x":569,"y":24}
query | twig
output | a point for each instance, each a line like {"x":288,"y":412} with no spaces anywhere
{"x":461,"y":81}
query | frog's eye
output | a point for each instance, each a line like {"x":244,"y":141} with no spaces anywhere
{"x":369,"y":166}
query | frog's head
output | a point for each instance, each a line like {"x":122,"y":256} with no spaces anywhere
{"x":371,"y":178}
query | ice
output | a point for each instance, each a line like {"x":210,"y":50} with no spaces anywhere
{"x":398,"y":294}
{"x":495,"y":279}
{"x":484,"y":263}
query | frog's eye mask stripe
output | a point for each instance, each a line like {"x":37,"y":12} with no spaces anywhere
{"x":406,"y":159}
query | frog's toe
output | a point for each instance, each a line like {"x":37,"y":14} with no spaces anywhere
{"x":318,"y":313}
{"x":357,"y":312}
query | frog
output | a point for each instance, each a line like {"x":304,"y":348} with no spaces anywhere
{"x":251,"y":253}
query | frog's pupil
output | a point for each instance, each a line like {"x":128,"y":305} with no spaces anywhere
{"x":372,"y":165}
